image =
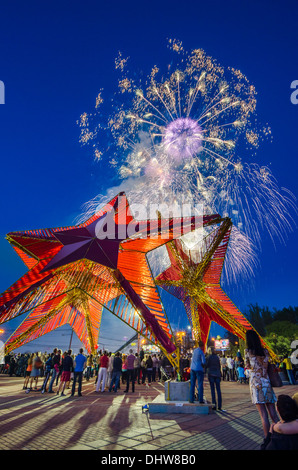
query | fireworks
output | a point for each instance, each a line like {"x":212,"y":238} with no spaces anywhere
{"x":182,"y":138}
{"x":190,"y":134}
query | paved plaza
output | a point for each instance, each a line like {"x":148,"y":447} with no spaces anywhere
{"x":112,"y":422}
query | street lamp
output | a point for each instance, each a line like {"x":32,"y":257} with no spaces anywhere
{"x":180,"y":335}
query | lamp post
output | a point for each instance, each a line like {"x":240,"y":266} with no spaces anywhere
{"x":70,"y":341}
{"x":180,"y":336}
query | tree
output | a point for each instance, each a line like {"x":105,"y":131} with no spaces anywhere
{"x":278,"y":321}
{"x":286,"y":314}
{"x":283,"y":328}
{"x":233,"y":343}
{"x":267,"y":316}
{"x":254,"y":316}
{"x":280,"y":345}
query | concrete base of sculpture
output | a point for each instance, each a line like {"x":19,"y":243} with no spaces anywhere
{"x":177,"y":391}
{"x":176,"y":400}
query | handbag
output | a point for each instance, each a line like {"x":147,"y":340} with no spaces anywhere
{"x":274,"y":376}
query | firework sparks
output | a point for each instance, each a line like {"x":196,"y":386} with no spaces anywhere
{"x":190,"y":136}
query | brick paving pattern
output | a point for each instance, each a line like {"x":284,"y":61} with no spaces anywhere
{"x":105,"y":421}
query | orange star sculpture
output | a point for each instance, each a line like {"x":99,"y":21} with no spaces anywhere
{"x":194,"y":277}
{"x":75,"y":272}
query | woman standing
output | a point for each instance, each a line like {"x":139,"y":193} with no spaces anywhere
{"x":124,"y":369}
{"x":28,"y":370}
{"x":89,"y":367}
{"x":262,"y":395}
{"x":149,"y":369}
{"x":143,"y":369}
{"x":214,"y":377}
{"x":35,"y":372}
{"x":58,"y":366}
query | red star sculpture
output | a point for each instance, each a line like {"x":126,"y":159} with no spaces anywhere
{"x":194,"y":277}
{"x":76,"y":271}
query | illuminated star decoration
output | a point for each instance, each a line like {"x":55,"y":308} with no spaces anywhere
{"x":194,"y":277}
{"x":75,"y":272}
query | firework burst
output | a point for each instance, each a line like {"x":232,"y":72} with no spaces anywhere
{"x":190,"y":135}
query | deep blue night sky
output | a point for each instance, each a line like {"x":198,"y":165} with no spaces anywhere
{"x":56,"y":56}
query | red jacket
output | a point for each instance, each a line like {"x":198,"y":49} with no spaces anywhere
{"x":104,"y":361}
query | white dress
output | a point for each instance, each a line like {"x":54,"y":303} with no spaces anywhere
{"x":260,"y":387}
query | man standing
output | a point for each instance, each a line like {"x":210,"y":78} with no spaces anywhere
{"x":55,"y":362}
{"x":110,"y":368}
{"x":155,"y":367}
{"x":116,"y":374}
{"x":137,"y":367}
{"x":224,"y":367}
{"x":289,"y":369}
{"x":79,"y":366}
{"x":230,"y":364}
{"x":197,"y":373}
{"x":130,"y":371}
{"x":67,"y":364}
{"x":102,"y":373}
{"x":48,"y":368}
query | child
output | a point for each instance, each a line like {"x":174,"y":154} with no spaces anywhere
{"x":241,"y":375}
{"x":246,"y":373}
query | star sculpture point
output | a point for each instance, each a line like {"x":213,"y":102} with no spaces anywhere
{"x":102,"y":258}
{"x":197,"y":284}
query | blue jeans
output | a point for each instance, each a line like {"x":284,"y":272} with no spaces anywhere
{"x":54,"y":373}
{"x":130,"y":378}
{"x":215,"y":381}
{"x":115,"y":380}
{"x":149,"y":375}
{"x":47,"y":376}
{"x":78,"y":376}
{"x":88,"y":372}
{"x":196,"y":375}
{"x":291,"y":377}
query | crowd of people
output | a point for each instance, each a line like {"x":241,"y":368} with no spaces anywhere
{"x":232,"y":369}
{"x":282,"y":433}
{"x":57,"y":371}
{"x":146,"y":368}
